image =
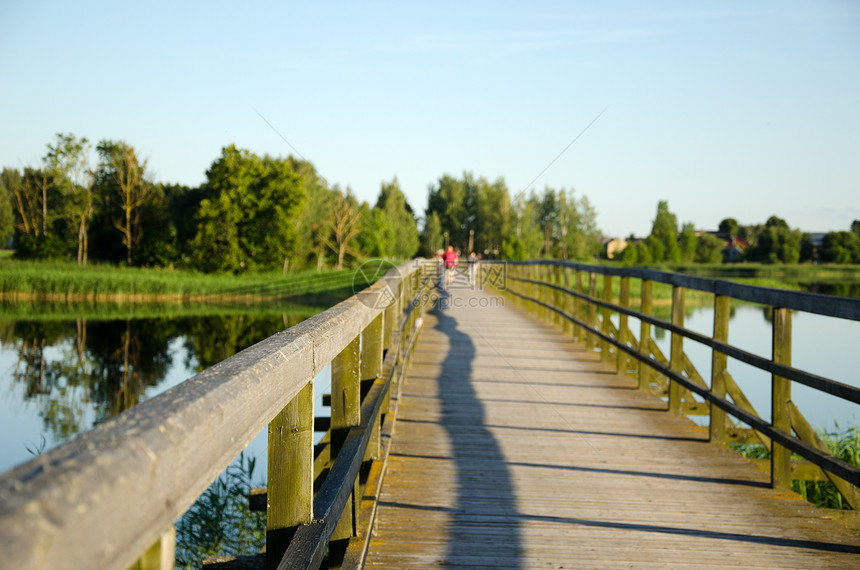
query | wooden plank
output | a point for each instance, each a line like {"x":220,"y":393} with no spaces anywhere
{"x":504,"y":460}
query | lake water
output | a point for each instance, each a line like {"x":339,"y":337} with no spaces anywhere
{"x":61,"y":376}
{"x":820,"y":345}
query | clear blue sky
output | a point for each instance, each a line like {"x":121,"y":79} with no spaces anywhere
{"x":744,"y":109}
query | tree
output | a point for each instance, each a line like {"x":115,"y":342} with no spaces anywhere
{"x":68,"y":161}
{"x":493,"y":216}
{"x":247,"y":221}
{"x":376,"y":238}
{"x":855,"y":227}
{"x":527,"y":226}
{"x":841,"y":247}
{"x":123,"y":173}
{"x":776,"y":243}
{"x":9,"y":178}
{"x":448,"y":202}
{"x":342,"y":225}
{"x":687,"y":243}
{"x":404,"y":230}
{"x":729,"y":226}
{"x":432,"y":239}
{"x":664,"y":231}
{"x":709,"y":249}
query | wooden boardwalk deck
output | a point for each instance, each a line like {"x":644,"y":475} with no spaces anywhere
{"x":515,"y":448}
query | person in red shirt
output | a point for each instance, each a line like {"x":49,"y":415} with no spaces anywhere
{"x":450,"y":259}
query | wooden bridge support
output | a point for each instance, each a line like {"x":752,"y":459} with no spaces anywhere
{"x":781,"y":399}
{"x":676,"y":363}
{"x":290,"y":487}
{"x":719,"y":367}
{"x":645,"y":335}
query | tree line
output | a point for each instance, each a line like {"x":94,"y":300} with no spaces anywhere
{"x":264,"y":213}
{"x":771,"y":242}
{"x":252,"y":213}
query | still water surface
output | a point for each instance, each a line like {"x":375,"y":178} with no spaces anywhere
{"x":60,"y":377}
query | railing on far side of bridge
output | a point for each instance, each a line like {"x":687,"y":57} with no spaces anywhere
{"x":109,"y":498}
{"x":566,"y":294}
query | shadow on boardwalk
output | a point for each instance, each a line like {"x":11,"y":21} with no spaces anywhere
{"x":485,"y":492}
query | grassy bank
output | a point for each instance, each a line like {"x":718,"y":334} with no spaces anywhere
{"x":58,"y":281}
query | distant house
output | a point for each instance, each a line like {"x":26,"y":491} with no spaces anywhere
{"x":734,"y":246}
{"x":613,"y":246}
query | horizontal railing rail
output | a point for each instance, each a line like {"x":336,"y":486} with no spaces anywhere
{"x":547,"y":287}
{"x":104,"y":498}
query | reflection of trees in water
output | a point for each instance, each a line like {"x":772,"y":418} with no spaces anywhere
{"x":98,"y":369}
{"x":212,"y":339}
{"x":128,"y":356}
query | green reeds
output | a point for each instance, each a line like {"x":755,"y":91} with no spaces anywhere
{"x":221,"y":522}
{"x":843,"y":444}
{"x":68,"y":281}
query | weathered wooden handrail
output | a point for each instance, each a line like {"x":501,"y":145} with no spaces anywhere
{"x":101,"y":499}
{"x":544,"y":294}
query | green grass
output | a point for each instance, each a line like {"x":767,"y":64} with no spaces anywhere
{"x":844,"y":444}
{"x":63,"y":280}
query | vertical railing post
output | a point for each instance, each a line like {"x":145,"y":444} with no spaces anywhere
{"x":533,"y":289}
{"x":722,"y":313}
{"x":780,"y":397}
{"x":545,"y":292}
{"x":345,"y":413}
{"x":645,"y":334}
{"x":370,"y":370}
{"x":291,"y":473}
{"x":676,"y":361}
{"x":623,"y":301}
{"x":592,"y":312}
{"x":559,"y":320}
{"x":578,"y":307}
{"x":568,"y":305}
{"x":605,"y":346}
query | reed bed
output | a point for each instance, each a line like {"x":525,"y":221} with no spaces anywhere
{"x":21,"y":280}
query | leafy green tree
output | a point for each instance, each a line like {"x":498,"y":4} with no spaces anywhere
{"x":124,"y":190}
{"x":404,"y":230}
{"x":341,"y":226}
{"x":182,"y":204}
{"x":578,"y":237}
{"x":493,"y":216}
{"x":376,"y":238}
{"x":247,"y":221}
{"x":855,"y":227}
{"x":432,"y":239}
{"x":776,"y":243}
{"x":448,"y":202}
{"x":68,"y":161}
{"x":709,"y":249}
{"x":513,"y":249}
{"x":8,"y":178}
{"x":663,"y":240}
{"x":687,"y":242}
{"x":527,"y":227}
{"x":729,"y":226}
{"x":841,"y":247}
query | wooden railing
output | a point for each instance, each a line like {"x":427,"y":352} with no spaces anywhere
{"x":566,"y":294}
{"x":109,"y":498}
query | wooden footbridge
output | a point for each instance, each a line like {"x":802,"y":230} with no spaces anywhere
{"x":520,"y":423}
